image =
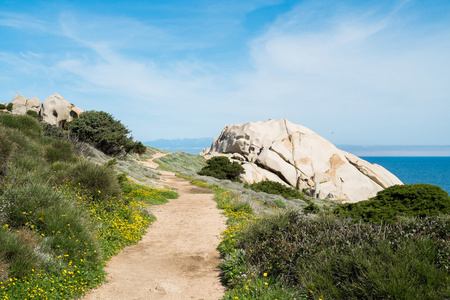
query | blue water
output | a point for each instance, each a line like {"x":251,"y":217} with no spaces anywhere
{"x":432,"y":170}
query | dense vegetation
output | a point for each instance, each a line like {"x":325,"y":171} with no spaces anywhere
{"x":222,"y":168}
{"x":416,"y":200}
{"x":104,"y":132}
{"x":289,"y":255}
{"x":61,"y":217}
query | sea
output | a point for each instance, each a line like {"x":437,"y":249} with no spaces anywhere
{"x":428,"y":169}
{"x":409,"y":169}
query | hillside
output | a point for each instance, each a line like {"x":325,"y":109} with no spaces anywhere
{"x":62,"y":216}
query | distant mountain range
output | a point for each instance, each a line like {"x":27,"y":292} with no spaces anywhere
{"x":195,"y":146}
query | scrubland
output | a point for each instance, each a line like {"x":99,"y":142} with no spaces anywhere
{"x":65,"y":209}
{"x":394,"y":246}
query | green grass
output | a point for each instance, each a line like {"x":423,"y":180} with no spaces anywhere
{"x":181,"y":162}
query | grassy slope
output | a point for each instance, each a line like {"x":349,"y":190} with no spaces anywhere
{"x":61,"y":216}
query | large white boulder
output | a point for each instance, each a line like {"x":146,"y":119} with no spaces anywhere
{"x":297,"y":156}
{"x":57,"y":111}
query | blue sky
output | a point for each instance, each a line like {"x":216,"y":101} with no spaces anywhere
{"x":355,"y":72}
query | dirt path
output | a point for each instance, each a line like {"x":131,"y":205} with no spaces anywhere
{"x":150,"y":163}
{"x":177,"y":258}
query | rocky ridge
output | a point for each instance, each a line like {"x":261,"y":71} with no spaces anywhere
{"x":294,"y":155}
{"x":54,"y":110}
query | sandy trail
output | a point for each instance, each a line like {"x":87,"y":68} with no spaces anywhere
{"x":177,"y":258}
{"x":150,"y":163}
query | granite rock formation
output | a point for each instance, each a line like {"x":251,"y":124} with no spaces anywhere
{"x":55,"y":110}
{"x":279,"y":150}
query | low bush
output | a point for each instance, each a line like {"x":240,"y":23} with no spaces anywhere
{"x":276,"y":188}
{"x":32,"y":113}
{"x":53,"y":131}
{"x":59,"y":150}
{"x":139,"y":148}
{"x":399,"y":200}
{"x":2,"y":106}
{"x":16,"y":253}
{"x":222,"y":168}
{"x":96,"y":181}
{"x":9,"y":107}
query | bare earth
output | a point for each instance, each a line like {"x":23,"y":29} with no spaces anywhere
{"x":177,"y":258}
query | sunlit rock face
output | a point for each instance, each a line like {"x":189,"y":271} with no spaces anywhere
{"x":57,"y":111}
{"x":21,"y":105}
{"x":279,"y":150}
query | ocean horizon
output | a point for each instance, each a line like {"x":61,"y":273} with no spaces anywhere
{"x":417,"y":169}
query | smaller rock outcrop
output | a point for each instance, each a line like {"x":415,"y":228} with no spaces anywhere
{"x":20,"y":105}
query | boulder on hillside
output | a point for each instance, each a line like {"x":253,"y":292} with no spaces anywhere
{"x":57,"y":111}
{"x":20,"y":105}
{"x":297,"y":156}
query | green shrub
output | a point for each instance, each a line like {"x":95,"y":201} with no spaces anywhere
{"x":311,"y":208}
{"x":42,"y":209}
{"x":400,"y":200}
{"x":276,"y":188}
{"x":32,"y":113}
{"x":26,"y":124}
{"x":279,"y":203}
{"x":16,"y":253}
{"x":102,"y":131}
{"x":9,"y":107}
{"x":2,"y":106}
{"x":97,"y":181}
{"x":59,"y":150}
{"x":220,"y":167}
{"x":139,"y":148}
{"x":53,"y":131}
